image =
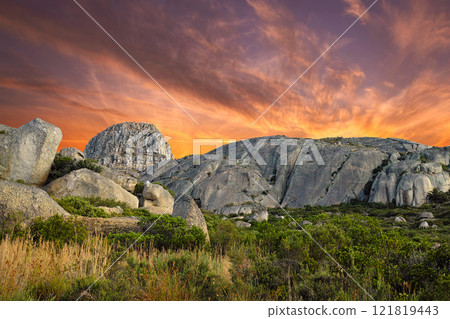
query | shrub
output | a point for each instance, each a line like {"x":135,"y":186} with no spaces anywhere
{"x":138,"y":212}
{"x":63,"y":165}
{"x":89,"y":164}
{"x":21,"y":181}
{"x":58,"y":230}
{"x":81,"y":206}
{"x":423,"y":159}
{"x":108,"y":202}
{"x":139,"y":188}
{"x":10,"y":224}
{"x":223,"y":236}
{"x":165,"y":232}
{"x":2,"y":132}
{"x":437,"y":196}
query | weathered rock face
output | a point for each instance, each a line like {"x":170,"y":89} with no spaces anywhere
{"x":130,"y":147}
{"x":126,"y":181}
{"x":155,"y":196}
{"x":186,"y":208}
{"x":86,"y":183}
{"x":407,"y":182}
{"x":374,"y":169}
{"x":27,"y":152}
{"x":72,"y":152}
{"x":31,"y":201}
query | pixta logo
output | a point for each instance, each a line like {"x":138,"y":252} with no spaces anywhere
{"x":308,"y":151}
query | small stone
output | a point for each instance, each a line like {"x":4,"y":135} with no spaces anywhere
{"x":426,"y":215}
{"x":112,"y":210}
{"x":306,"y":222}
{"x":242,"y":224}
{"x":424,"y":225}
{"x":260,"y":216}
{"x":400,"y":219}
{"x":436,"y":245}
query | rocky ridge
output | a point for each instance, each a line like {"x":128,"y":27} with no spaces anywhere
{"x":370,"y":169}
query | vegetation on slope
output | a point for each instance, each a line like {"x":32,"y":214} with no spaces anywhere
{"x":273,"y":260}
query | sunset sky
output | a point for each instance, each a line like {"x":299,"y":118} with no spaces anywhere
{"x":225,"y":62}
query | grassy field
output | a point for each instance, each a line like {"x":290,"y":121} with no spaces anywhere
{"x":274,"y":260}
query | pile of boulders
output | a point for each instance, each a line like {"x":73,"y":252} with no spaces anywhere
{"x":26,"y":157}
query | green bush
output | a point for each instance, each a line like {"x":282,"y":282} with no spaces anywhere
{"x":98,"y":201}
{"x":58,"y":230}
{"x":90,"y":164}
{"x":139,"y":188}
{"x":137,"y":212}
{"x":166,"y":232}
{"x":63,"y":165}
{"x":10,"y":224}
{"x":81,"y":206}
{"x":437,"y":196}
{"x":2,"y":132}
{"x":423,"y":159}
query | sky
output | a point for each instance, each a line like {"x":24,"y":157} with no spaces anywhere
{"x":225,"y":63}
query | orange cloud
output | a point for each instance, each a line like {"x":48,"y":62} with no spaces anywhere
{"x":226,"y":63}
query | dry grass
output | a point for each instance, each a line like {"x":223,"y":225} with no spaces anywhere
{"x":46,"y":271}
{"x":43,"y":268}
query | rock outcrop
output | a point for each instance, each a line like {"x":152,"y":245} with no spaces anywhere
{"x":372,"y":169}
{"x":408,"y":181}
{"x":27,"y":153}
{"x":186,"y":208}
{"x":156,"y":199}
{"x":86,"y":183}
{"x":126,"y":181}
{"x":130,"y":147}
{"x":31,"y":201}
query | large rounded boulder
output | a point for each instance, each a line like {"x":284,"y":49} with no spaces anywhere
{"x":28,"y":201}
{"x":157,"y":199}
{"x":86,"y":183}
{"x":186,"y":208}
{"x":27,"y":153}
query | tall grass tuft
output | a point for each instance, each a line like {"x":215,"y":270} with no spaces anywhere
{"x":45,"y":270}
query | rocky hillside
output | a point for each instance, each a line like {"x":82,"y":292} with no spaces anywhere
{"x":363,"y":169}
{"x":369,"y":169}
{"x":131,"y":147}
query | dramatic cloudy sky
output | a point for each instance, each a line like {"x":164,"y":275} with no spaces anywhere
{"x":225,"y":62}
